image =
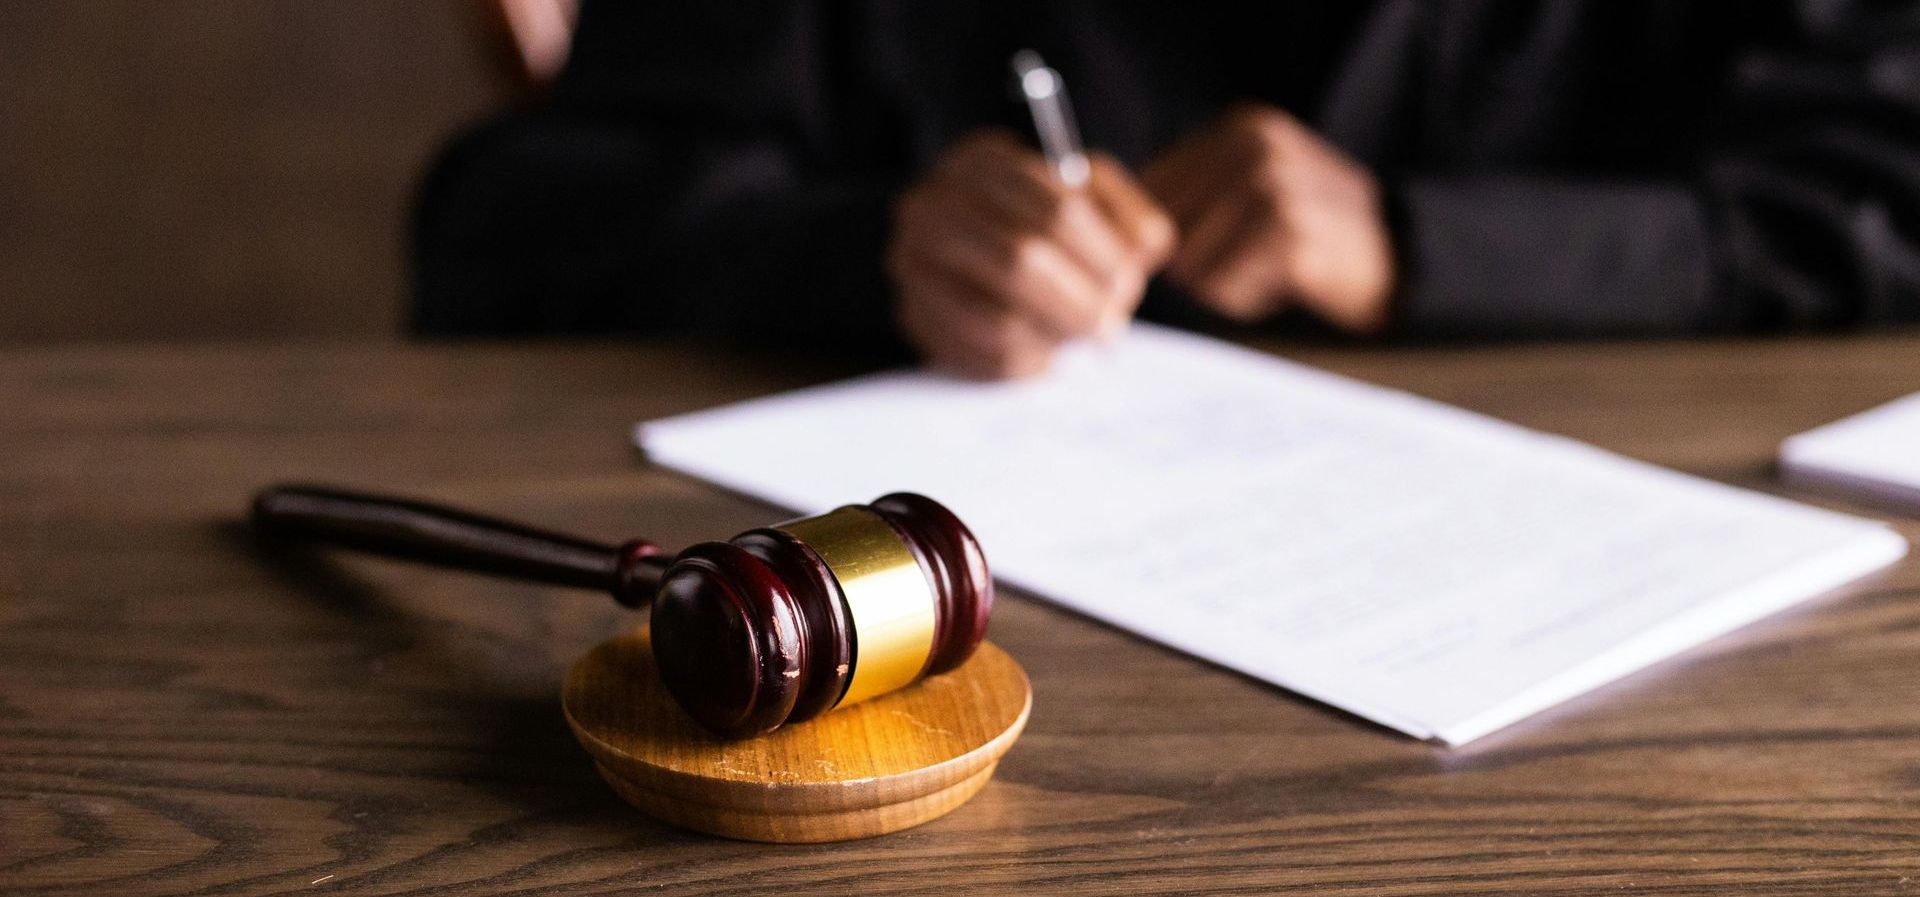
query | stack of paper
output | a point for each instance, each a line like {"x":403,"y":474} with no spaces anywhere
{"x":1875,"y":453}
{"x":1434,"y":570}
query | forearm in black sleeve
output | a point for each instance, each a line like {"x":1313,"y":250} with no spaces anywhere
{"x":553,"y":225}
{"x":681,"y":176}
{"x":1516,"y":256}
{"x":1805,"y":214}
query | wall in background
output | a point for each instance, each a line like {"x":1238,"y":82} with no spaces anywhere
{"x":215,"y":169}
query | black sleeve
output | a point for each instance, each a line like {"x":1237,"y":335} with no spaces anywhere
{"x":1803,"y":213}
{"x":683,"y":174}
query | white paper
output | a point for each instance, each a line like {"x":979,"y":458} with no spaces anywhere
{"x":1425,"y":567}
{"x":1875,"y":453}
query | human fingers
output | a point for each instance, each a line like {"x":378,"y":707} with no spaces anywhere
{"x":1246,"y":271}
{"x":1140,"y":221}
{"x":957,"y":329}
{"x":1014,"y":185}
{"x":1026,"y":273}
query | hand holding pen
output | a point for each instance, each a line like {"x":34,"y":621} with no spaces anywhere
{"x":1001,"y":255}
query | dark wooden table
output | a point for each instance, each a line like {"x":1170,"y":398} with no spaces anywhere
{"x":183,"y":711}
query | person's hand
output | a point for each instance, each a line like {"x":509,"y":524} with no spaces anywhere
{"x":995,"y":264}
{"x":1268,"y":214}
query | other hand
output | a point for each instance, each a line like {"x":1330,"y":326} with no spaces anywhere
{"x":1269,"y":213}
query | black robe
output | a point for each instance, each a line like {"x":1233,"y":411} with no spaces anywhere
{"x":1568,"y":167}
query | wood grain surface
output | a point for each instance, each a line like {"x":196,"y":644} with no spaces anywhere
{"x":182,"y":712}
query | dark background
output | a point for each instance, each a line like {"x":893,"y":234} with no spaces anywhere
{"x":222,"y":169}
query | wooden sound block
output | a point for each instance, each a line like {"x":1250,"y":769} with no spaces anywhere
{"x":879,"y":766}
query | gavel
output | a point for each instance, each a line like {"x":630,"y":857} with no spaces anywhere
{"x":776,"y":625}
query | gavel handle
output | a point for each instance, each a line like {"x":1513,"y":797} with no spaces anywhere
{"x":448,"y":537}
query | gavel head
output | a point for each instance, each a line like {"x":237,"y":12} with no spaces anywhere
{"x":781,"y":624}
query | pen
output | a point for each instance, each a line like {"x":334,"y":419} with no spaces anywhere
{"x":1046,"y":97}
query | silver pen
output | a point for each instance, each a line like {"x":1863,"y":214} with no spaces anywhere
{"x":1046,"y":97}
